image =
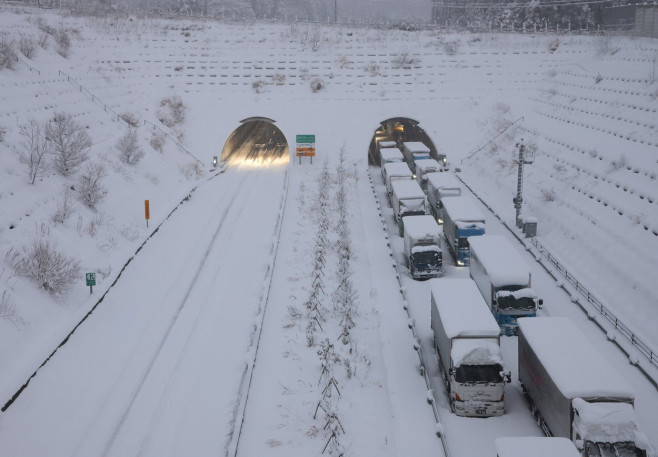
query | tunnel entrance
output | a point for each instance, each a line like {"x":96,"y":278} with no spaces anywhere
{"x":399,"y":129}
{"x":256,"y":142}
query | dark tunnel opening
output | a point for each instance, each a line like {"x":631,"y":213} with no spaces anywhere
{"x":256,"y":142}
{"x":399,"y":130}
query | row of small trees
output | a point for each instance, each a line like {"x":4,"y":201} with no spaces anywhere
{"x":329,"y":318}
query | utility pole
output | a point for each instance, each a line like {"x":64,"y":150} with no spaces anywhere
{"x":522,"y":157}
{"x":335,"y":11}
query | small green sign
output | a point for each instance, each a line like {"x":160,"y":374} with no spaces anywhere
{"x":303,"y":139}
{"x":91,"y":279}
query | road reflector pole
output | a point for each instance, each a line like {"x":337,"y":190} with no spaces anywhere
{"x":91,"y":281}
{"x":147,"y":212}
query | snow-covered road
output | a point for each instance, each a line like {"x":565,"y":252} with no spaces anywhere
{"x":157,"y":367}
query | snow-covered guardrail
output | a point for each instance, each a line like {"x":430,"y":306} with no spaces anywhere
{"x":650,"y":354}
{"x":412,"y":326}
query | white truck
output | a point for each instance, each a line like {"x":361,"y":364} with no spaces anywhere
{"x":503,"y":278}
{"x":462,"y":220}
{"x":395,"y":171}
{"x":413,"y":151}
{"x":407,"y":199}
{"x":467,"y":341}
{"x":535,"y":446}
{"x":422,"y":246}
{"x":440,"y":185}
{"x":423,"y":167}
{"x":574,"y":392}
{"x":390,"y":155}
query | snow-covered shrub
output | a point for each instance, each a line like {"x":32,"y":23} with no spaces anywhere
{"x":130,"y":119}
{"x":192,"y":170}
{"x":172,"y":111}
{"x":553,"y":45}
{"x":342,"y":61}
{"x":3,"y":132}
{"x":317,"y":84}
{"x":43,"y":263}
{"x":35,"y":148}
{"x":451,"y":47}
{"x":27,"y":45}
{"x":598,"y":78}
{"x":279,"y":79}
{"x":64,"y":207}
{"x":372,"y":69}
{"x":91,"y":188}
{"x":158,"y":140}
{"x":130,"y":151}
{"x":70,"y":143}
{"x":8,"y":55}
{"x":63,"y":42}
{"x":42,"y":41}
{"x":548,"y":195}
{"x":259,"y":86}
{"x":45,"y":27}
{"x":405,"y":61}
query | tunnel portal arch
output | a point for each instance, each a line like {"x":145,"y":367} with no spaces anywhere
{"x":399,"y":129}
{"x":256,"y":141}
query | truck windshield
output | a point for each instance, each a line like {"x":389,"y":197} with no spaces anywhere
{"x":510,"y":302}
{"x":462,"y":243}
{"x":478,"y":373}
{"x":624,"y":449}
{"x":430,"y":258}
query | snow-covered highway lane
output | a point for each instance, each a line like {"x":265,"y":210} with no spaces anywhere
{"x":157,"y":368}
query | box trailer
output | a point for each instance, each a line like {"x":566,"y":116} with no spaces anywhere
{"x":467,"y":341}
{"x":422,"y":246}
{"x":440,"y":185}
{"x":461,"y":221}
{"x":390,"y":155}
{"x":396,"y":171}
{"x":423,"y":167}
{"x":407,"y":199}
{"x":574,"y":392}
{"x":413,"y":151}
{"x":504,"y":280}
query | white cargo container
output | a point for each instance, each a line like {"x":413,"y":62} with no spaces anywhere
{"x":395,"y":171}
{"x":462,"y":220}
{"x":414,"y":150}
{"x":467,"y":340}
{"x":407,"y":199}
{"x":503,"y":278}
{"x":422,"y":246}
{"x":574,"y":392}
{"x":423,"y":167}
{"x":535,"y":446}
{"x":390,"y":156}
{"x":440,"y":185}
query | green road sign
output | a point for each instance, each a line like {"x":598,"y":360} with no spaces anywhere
{"x":306,"y":138}
{"x":91,"y":279}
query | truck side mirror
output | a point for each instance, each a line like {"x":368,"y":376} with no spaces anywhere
{"x":541,"y":302}
{"x":507,"y":376}
{"x":451,"y":372}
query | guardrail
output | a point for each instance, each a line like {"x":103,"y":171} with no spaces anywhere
{"x":106,"y":107}
{"x":412,"y":326}
{"x":28,"y":65}
{"x":650,"y":354}
{"x":636,"y":341}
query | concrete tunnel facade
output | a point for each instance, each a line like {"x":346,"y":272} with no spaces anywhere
{"x":257,"y":141}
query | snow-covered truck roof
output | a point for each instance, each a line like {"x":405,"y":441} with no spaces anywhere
{"x":415,"y":146}
{"x":462,"y":209}
{"x":397,"y":169}
{"x":443,"y":179}
{"x":407,"y":189}
{"x":535,"y":446}
{"x":418,"y":227}
{"x":386,"y":144}
{"x":427,"y":164}
{"x":475,"y":351}
{"x":501,"y":260}
{"x":463,"y":311}
{"x":576,"y":367}
{"x":392,"y":154}
{"x":604,"y":422}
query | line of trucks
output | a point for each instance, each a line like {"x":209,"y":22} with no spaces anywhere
{"x":576,"y":396}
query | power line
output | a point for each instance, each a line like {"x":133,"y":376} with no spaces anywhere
{"x":518,"y":5}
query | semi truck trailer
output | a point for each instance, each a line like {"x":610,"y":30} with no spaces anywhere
{"x":503,"y":278}
{"x":440,"y":185}
{"x":461,"y":221}
{"x":574,"y":392}
{"x":407,"y":199}
{"x":422,"y":246}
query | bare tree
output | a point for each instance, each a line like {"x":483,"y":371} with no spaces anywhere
{"x":65,"y":208}
{"x":8,"y":57}
{"x":129,"y":149}
{"x":70,"y":143}
{"x":35,"y":147}
{"x":53,"y":271}
{"x":91,"y":188}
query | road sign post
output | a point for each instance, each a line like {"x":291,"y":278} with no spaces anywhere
{"x":91,"y":281}
{"x":147,"y":212}
{"x":305,"y":147}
